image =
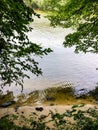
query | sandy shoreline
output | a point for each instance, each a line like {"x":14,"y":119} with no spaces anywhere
{"x":25,"y":113}
{"x":28,"y":110}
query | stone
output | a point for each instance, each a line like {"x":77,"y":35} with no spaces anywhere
{"x":49,"y":98}
{"x":8,"y":103}
{"x":39,"y":109}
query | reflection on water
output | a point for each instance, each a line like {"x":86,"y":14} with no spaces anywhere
{"x":63,"y":65}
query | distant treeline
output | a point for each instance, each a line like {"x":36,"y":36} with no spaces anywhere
{"x":45,"y":5}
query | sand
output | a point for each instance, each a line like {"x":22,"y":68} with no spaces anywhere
{"x":28,"y":110}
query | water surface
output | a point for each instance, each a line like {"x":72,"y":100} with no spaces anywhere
{"x":62,"y":65}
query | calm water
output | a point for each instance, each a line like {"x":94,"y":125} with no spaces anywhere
{"x":63,"y":65}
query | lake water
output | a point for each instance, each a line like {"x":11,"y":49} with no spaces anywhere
{"x":62,"y":65}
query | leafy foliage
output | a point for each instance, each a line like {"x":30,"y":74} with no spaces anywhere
{"x":16,"y":50}
{"x":50,"y":5}
{"x":6,"y":124}
{"x":83,"y":17}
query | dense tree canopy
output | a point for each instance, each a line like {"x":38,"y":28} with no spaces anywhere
{"x":82,"y":15}
{"x":16,"y":50}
